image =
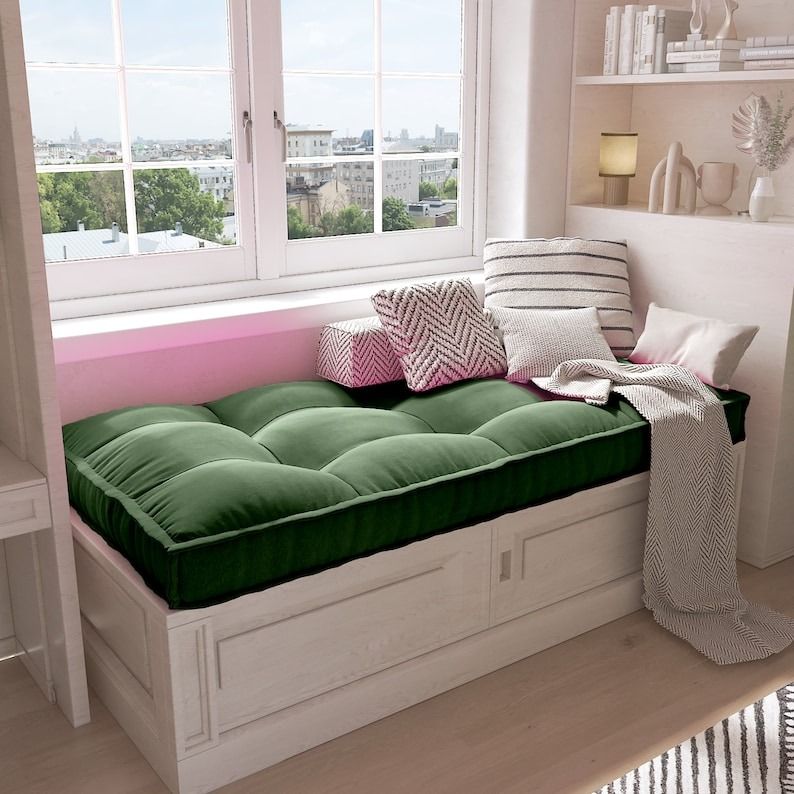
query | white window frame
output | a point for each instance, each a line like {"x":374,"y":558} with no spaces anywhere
{"x":349,"y":260}
{"x":136,"y":272}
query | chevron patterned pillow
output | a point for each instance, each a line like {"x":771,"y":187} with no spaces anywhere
{"x":357,"y":353}
{"x":439,"y":333}
{"x":564,"y":273}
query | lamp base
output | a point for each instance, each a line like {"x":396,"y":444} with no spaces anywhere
{"x":616,"y":191}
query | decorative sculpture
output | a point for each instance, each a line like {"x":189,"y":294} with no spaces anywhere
{"x":716,"y":182}
{"x":665,"y":183}
{"x":697,"y":25}
{"x":728,"y":29}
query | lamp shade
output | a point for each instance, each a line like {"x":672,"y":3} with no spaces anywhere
{"x":618,"y":154}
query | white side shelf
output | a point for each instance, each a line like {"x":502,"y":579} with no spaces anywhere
{"x":761,"y":76}
{"x":24,"y":498}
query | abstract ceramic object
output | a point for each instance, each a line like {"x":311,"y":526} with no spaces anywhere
{"x":762,"y":200}
{"x":728,"y":29}
{"x":716,"y":182}
{"x":697,"y":25}
{"x":665,"y":183}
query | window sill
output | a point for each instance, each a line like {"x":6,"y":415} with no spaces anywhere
{"x":125,"y":333}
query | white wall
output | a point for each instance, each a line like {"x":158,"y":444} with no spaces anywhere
{"x":531,"y":64}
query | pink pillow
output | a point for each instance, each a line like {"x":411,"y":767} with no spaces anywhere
{"x":439,"y":333}
{"x":712,"y":349}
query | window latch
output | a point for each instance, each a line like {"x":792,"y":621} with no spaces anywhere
{"x":249,"y":146}
{"x":278,"y":124}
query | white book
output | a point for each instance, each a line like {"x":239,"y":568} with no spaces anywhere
{"x":639,"y":21}
{"x":612,"y":40}
{"x":765,"y":53}
{"x":705,"y":45}
{"x":672,"y":24}
{"x":627,"y":22}
{"x":692,"y":68}
{"x":770,"y":41}
{"x":650,"y":21}
{"x":775,"y":63}
{"x":703,"y":56}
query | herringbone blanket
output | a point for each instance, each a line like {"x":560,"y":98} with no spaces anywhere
{"x":690,"y":548}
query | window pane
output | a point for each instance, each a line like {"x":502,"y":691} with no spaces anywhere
{"x":180,"y":116}
{"x":422,"y":37}
{"x":324,"y":36}
{"x":419,"y":194}
{"x":422,"y":114}
{"x":78,"y":213}
{"x":339,"y":109}
{"x":75,"y":117}
{"x":184,"y":209}
{"x":176,"y":33}
{"x":325,"y":200}
{"x":81,"y":32}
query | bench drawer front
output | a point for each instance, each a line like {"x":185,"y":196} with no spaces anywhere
{"x":367,"y":615}
{"x":561,"y":556}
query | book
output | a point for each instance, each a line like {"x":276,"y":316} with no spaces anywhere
{"x":612,"y":40}
{"x":776,"y":63}
{"x":672,"y":24}
{"x":703,"y":56}
{"x":765,"y":53}
{"x":705,"y":44}
{"x":647,"y":53}
{"x":638,"y":26}
{"x":770,"y":41}
{"x":626,"y":50}
{"x":692,"y":68}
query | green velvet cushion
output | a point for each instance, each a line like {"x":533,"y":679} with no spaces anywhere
{"x":209,"y":502}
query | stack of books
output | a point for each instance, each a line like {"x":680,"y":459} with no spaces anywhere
{"x":705,"y":55}
{"x":768,"y":52}
{"x":636,"y":37}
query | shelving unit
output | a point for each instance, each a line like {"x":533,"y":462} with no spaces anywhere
{"x":24,"y":497}
{"x":761,"y":76}
{"x":718,"y":266}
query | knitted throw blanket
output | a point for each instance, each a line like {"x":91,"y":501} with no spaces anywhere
{"x":690,"y":548}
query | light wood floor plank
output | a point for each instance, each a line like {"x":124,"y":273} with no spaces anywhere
{"x":565,"y":720}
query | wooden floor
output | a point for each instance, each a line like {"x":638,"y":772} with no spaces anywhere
{"x":566,"y":720}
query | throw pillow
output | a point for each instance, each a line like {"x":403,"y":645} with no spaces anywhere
{"x":538,"y":341}
{"x":439,"y":333}
{"x":564,"y":273}
{"x":711,"y":348}
{"x":357,"y":353}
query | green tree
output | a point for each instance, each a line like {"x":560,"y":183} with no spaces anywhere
{"x":297,"y":228}
{"x":450,"y":189}
{"x":349,"y":220}
{"x":95,"y":198}
{"x":164,"y":197}
{"x":427,"y":190}
{"x":395,"y":215}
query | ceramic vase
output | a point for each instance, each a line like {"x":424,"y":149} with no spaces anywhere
{"x":762,"y":199}
{"x":716,"y":182}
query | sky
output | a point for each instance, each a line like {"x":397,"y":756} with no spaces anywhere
{"x":418,"y":36}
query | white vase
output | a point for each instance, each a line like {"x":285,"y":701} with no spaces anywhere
{"x":762,"y":200}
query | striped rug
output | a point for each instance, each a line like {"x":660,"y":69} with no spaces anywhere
{"x":750,"y":752}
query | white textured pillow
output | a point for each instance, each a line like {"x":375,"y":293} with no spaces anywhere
{"x":537,"y":341}
{"x":564,"y":273}
{"x":711,"y":348}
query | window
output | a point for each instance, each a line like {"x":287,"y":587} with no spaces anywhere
{"x":153,"y":175}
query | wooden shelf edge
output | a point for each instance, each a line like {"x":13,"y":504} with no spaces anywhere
{"x":16,"y":473}
{"x":765,"y":76}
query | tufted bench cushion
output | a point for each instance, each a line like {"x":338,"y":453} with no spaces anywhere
{"x":209,"y":502}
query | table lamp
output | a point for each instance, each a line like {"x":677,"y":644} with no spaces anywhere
{"x":618,"y":162}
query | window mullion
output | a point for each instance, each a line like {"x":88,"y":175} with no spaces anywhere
{"x":377,"y":137}
{"x":126,"y":142}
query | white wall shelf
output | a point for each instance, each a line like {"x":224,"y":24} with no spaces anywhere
{"x":766,"y":76}
{"x":777,"y":222}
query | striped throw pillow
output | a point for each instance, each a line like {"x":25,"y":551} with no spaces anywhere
{"x":564,"y":273}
